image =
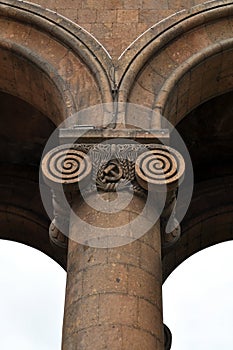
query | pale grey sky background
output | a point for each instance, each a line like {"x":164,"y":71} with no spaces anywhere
{"x":198,"y":300}
{"x":31,"y":299}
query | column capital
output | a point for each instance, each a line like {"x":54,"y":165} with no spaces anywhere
{"x":116,"y":164}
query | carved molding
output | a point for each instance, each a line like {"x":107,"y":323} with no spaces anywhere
{"x":56,"y":236}
{"x":61,"y":220}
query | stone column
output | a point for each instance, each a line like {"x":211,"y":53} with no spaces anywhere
{"x":113,"y":295}
{"x":114,"y":283}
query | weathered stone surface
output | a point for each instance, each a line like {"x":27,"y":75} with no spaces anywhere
{"x":116,"y":289}
{"x":51,"y":68}
{"x":105,"y":18}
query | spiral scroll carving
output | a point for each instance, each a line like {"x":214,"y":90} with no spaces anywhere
{"x":65,"y":165}
{"x":159,"y":167}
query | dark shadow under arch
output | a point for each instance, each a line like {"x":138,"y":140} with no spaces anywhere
{"x":23,"y":133}
{"x":208,"y":134}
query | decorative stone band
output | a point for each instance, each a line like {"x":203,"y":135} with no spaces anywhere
{"x":160,"y":169}
{"x":112,"y":166}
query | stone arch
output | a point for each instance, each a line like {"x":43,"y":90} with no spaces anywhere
{"x":57,"y":58}
{"x":167,"y":61}
{"x":173,"y":68}
{"x":49,"y":69}
{"x":23,"y":75}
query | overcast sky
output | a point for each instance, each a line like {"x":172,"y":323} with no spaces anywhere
{"x":198,"y":300}
{"x":32,"y":299}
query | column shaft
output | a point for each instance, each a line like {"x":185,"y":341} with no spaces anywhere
{"x":114,"y":295}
